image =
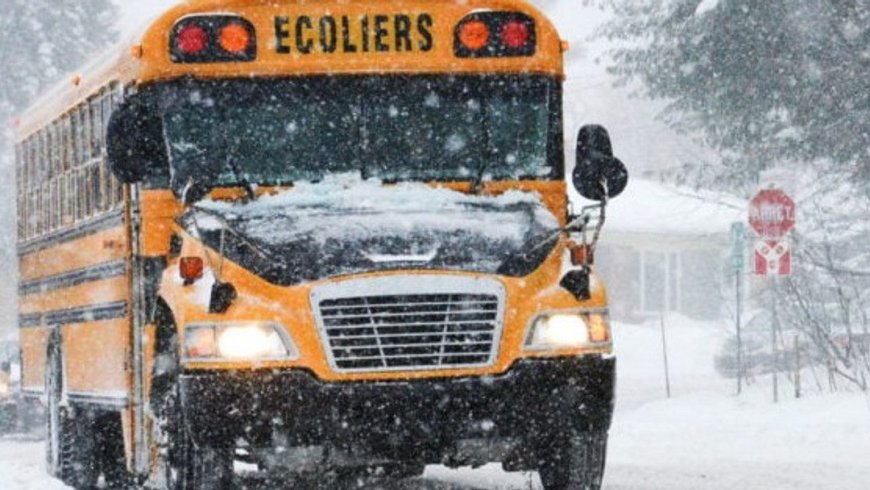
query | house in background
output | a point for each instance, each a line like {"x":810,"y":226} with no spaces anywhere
{"x":666,"y":249}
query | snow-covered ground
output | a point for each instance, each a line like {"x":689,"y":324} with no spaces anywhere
{"x":702,"y":437}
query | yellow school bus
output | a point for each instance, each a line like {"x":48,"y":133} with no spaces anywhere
{"x":321,"y":238}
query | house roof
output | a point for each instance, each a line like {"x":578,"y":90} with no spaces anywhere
{"x":652,"y":207}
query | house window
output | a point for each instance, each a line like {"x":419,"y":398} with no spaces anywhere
{"x":659,"y":282}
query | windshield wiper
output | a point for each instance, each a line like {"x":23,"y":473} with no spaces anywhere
{"x":238,"y":176}
{"x":227,"y":227}
{"x":539,"y":246}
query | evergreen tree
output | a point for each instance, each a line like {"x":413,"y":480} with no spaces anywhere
{"x":41,"y":41}
{"x":776,"y":84}
{"x":766,"y":82}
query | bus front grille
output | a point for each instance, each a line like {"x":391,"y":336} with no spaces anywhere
{"x":411,"y":330}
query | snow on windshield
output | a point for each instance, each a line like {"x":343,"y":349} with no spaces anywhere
{"x":345,"y":207}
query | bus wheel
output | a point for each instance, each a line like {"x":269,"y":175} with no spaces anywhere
{"x":109,"y":450}
{"x":53,"y":387}
{"x":69,"y":453}
{"x":577,"y":463}
{"x":78,"y":467}
{"x":184,"y":464}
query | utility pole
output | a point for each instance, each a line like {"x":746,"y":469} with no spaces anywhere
{"x":665,"y":356}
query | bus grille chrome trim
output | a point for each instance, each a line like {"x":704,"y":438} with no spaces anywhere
{"x":410,"y":323}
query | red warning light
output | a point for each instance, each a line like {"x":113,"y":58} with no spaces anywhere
{"x":515,"y":34}
{"x":192,"y":39}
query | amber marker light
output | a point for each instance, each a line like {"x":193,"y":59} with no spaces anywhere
{"x":190,"y":269}
{"x":200,"y":343}
{"x":580,"y":254}
{"x":474,"y":35}
{"x":235,"y":38}
{"x":599,"y":330}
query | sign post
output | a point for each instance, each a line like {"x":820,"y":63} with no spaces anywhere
{"x":738,"y":249}
{"x":772,"y":216}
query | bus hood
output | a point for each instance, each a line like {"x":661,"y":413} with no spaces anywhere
{"x":345,"y":225}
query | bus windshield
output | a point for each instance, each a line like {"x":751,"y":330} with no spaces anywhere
{"x":419,"y":128}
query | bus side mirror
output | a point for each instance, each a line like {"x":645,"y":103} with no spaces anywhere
{"x":598,"y":175}
{"x":135,"y":144}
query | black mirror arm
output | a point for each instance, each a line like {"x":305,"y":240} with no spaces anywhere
{"x":581,"y":223}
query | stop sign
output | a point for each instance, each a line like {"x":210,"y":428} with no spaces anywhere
{"x":771,"y":213}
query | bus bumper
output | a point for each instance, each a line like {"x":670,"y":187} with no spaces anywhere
{"x":533,"y":403}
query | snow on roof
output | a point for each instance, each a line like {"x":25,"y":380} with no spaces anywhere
{"x":652,"y":207}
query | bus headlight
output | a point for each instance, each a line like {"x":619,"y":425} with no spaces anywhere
{"x":569,"y":330}
{"x":4,"y":388}
{"x":238,"y":341}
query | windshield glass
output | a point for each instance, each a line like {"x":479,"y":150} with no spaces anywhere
{"x":344,"y":225}
{"x":390,"y":128}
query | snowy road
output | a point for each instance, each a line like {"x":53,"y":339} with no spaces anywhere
{"x":702,"y":438}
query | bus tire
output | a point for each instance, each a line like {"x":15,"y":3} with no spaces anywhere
{"x":183,"y":464}
{"x":78,"y":466}
{"x":69,"y":450}
{"x":53,"y":394}
{"x":577,"y":463}
{"x":109,"y":432}
{"x":186,"y":465}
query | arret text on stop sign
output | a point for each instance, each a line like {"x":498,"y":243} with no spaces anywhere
{"x":771,"y":213}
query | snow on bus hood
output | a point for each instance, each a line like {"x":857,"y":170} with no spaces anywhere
{"x":345,"y":225}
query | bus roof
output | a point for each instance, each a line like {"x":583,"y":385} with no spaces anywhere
{"x":282,"y":31}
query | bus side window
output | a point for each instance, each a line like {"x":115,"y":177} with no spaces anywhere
{"x":94,"y":187}
{"x":47,"y":168}
{"x":33,"y":218}
{"x":25,"y":185}
{"x":42,"y":210}
{"x":40,"y":161}
{"x":53,"y":192}
{"x":24,"y":157}
{"x":65,"y":144}
{"x":83,"y":193}
{"x":20,"y":157}
{"x":56,"y":150}
{"x":59,"y":204}
{"x":96,"y":126}
{"x":113,"y":189}
{"x":75,"y":154}
{"x":58,"y":196}
{"x":105,"y":184}
{"x":46,"y":209}
{"x":28,"y":179}
{"x":72,"y":199}
{"x":87,"y":131}
{"x":86,"y":191}
{"x":81,"y":136}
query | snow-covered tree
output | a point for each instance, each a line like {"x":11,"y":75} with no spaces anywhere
{"x":766,"y":82}
{"x":41,"y":41}
{"x":775,"y":84}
